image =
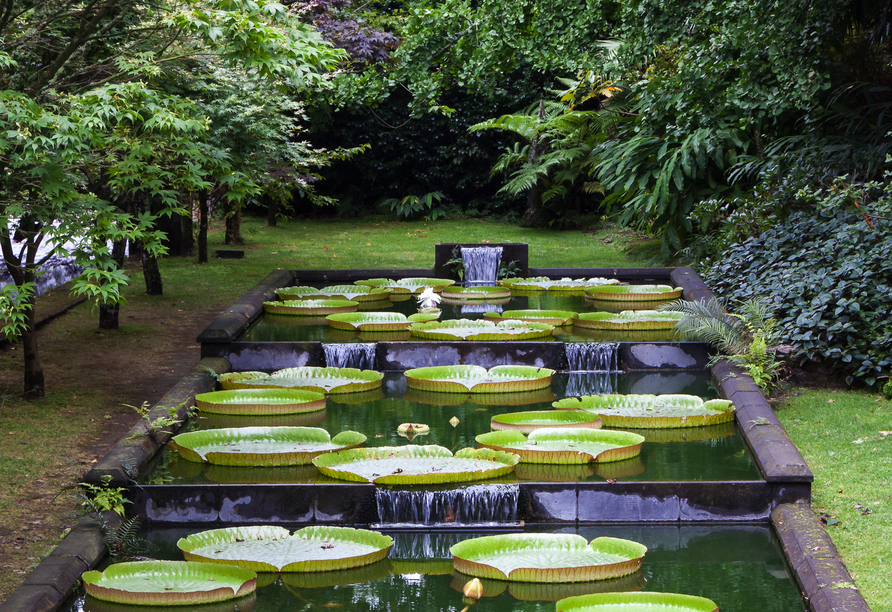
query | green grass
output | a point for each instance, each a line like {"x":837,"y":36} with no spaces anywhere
{"x":840,"y":434}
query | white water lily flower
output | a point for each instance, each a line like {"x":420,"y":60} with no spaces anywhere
{"x":428,"y":299}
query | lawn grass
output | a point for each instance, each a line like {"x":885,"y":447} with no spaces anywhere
{"x":846,"y":439}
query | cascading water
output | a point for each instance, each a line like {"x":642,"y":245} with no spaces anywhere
{"x":358,"y":355}
{"x":592,"y":356}
{"x":481,"y":264}
{"x":484,"y":504}
{"x":593,"y":368}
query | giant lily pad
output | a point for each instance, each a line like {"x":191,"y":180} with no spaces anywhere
{"x":169,"y":583}
{"x":636,"y":602}
{"x":547,"y":557}
{"x":474,"y":294}
{"x":652,"y":411}
{"x":407,"y":285}
{"x":310,"y":307}
{"x":628,"y":320}
{"x":525,"y":422}
{"x":565,"y":445}
{"x":465,"y":329}
{"x":310,"y":378}
{"x":550,"y":317}
{"x":274,"y":549}
{"x":261,"y":446}
{"x":551,"y":591}
{"x":404,"y":465}
{"x":622,"y":335}
{"x":376,"y":321}
{"x":477,"y":379}
{"x":260,"y":401}
{"x":539,"y":284}
{"x":633,"y":293}
{"x":517,"y":398}
{"x":355,"y":293}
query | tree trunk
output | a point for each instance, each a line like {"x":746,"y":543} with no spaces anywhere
{"x":177,"y":234}
{"x":233,"y":225}
{"x":272,"y":213}
{"x":34,"y":381}
{"x":532,"y":216}
{"x":203,"y":227}
{"x":109,"y":315}
{"x":152,"y":274}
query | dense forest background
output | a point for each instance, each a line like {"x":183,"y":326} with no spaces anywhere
{"x":750,"y":136}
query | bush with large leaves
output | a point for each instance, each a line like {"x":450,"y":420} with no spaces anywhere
{"x":828,"y":275}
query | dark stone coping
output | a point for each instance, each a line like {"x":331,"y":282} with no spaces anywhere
{"x":823,"y":578}
{"x":248,"y":307}
{"x":777,"y":456}
{"x":404,"y":355}
{"x":123,"y":462}
{"x":54,"y":579}
{"x":540,"y":502}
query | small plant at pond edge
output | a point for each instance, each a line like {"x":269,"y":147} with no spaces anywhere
{"x":413,"y":205}
{"x":153,"y":426}
{"x":456,"y":264}
{"x":509,"y":270}
{"x":747,"y":339}
{"x":123,"y":541}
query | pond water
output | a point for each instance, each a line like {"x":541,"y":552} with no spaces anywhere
{"x":283,"y":328}
{"x":714,"y":453}
{"x":740,"y":567}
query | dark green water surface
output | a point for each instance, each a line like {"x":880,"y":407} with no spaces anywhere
{"x":715,"y":453}
{"x":739,"y":567}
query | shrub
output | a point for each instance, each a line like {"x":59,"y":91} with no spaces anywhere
{"x":827,"y":275}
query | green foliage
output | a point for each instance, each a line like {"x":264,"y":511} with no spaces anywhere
{"x":103,"y":498}
{"x":456,"y":263}
{"x":412,"y":206}
{"x":509,"y":269}
{"x":887,"y":390}
{"x":747,"y":338}
{"x":155,"y":425}
{"x":827,"y":276}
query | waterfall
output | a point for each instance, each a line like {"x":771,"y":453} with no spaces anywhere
{"x":484,"y":504}
{"x":481,"y":264}
{"x":359,"y":355}
{"x":424,"y":546}
{"x":592,"y":356}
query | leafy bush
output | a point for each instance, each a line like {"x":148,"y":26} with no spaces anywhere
{"x":827,"y":274}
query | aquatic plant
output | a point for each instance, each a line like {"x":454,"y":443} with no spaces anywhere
{"x":652,"y":411}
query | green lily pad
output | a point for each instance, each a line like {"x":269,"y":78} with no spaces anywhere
{"x":477,"y":379}
{"x":565,"y":445}
{"x":415,"y":464}
{"x":407,"y":285}
{"x":301,"y":292}
{"x":310,"y":378}
{"x":376,"y":321}
{"x":310,"y":307}
{"x":652,"y":411}
{"x":547,"y":557}
{"x":466,"y":329}
{"x":550,"y":317}
{"x":260,"y":401}
{"x":525,"y":422}
{"x":169,"y":583}
{"x":261,"y":446}
{"x":634,"y":293}
{"x":539,"y":284}
{"x":628,"y":320}
{"x":265,"y":548}
{"x":474,"y":294}
{"x":623,"y":335}
{"x":636,"y":602}
{"x":548,"y":591}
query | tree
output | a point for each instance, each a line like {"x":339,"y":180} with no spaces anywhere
{"x":93,"y":149}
